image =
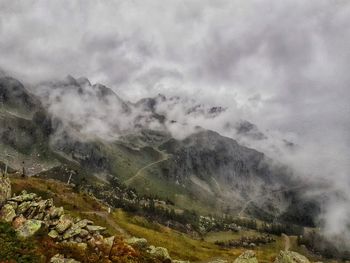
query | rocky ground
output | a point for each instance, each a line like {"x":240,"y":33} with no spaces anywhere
{"x":30,"y":214}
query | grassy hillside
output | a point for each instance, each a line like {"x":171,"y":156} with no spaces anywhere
{"x":180,"y":245}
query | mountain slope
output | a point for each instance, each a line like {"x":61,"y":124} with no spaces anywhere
{"x":89,"y":132}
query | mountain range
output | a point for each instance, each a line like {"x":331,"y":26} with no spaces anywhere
{"x":87,"y":132}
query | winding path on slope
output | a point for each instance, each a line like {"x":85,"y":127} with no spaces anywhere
{"x":140,"y":171}
{"x":262,"y":195}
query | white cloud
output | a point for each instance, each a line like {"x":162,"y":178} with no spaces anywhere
{"x":280,"y":64}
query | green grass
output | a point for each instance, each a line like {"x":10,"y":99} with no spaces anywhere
{"x":180,"y":245}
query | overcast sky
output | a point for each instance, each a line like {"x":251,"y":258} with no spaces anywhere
{"x":284,"y":65}
{"x":284,"y":61}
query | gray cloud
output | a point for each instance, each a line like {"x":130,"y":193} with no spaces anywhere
{"x":280,"y":64}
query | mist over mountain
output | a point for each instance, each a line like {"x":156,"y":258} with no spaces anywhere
{"x":238,"y":106}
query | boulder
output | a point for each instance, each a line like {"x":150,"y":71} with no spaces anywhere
{"x":106,"y":245}
{"x":55,"y":212}
{"x":23,"y":207}
{"x":140,"y":243}
{"x":71,"y":232}
{"x":39,"y":216}
{"x":32,"y":211}
{"x":18,"y":221}
{"x":29,"y":228}
{"x":82,"y":223}
{"x":290,"y":257}
{"x":64,"y":223}
{"x":82,"y":246}
{"x":83,"y":233}
{"x":5,"y":188}
{"x":23,"y":197}
{"x":92,"y":242}
{"x":53,"y":234}
{"x":7,"y":213}
{"x":58,"y":258}
{"x":41,"y":206}
{"x":159,"y":252}
{"x":246,"y":257}
{"x":92,"y":228}
{"x":13,"y":204}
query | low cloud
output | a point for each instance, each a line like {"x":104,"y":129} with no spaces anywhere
{"x":280,"y":65}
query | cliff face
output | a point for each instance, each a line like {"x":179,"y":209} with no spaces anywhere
{"x":14,"y":96}
{"x":219,"y":162}
{"x":207,"y":153}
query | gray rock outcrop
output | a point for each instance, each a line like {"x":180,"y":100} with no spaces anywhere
{"x":291,"y":257}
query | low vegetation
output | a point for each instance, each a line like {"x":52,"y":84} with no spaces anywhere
{"x":12,"y":249}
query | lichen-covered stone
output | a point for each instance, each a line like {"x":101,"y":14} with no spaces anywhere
{"x":53,"y":234}
{"x":23,"y":207}
{"x":75,"y":229}
{"x":24,"y":197}
{"x":5,"y":188}
{"x":39,"y":216}
{"x":7,"y":213}
{"x":41,"y":206}
{"x":290,"y":257}
{"x":64,"y":223}
{"x":58,"y":258}
{"x":92,"y":228}
{"x":137,"y":242}
{"x":246,"y":257}
{"x":159,"y":252}
{"x":32,"y":211}
{"x":83,"y":233}
{"x":29,"y":228}
{"x":18,"y":221}
{"x":71,"y":232}
{"x":13,"y":204}
{"x":105,"y":244}
{"x":55,"y":212}
{"x":81,"y":223}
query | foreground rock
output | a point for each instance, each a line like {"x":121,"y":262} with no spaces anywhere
{"x":61,"y":259}
{"x":5,"y":188}
{"x":7,"y":213}
{"x":140,"y":243}
{"x":291,"y":257}
{"x":29,"y":228}
{"x":247,"y":257}
{"x":30,"y":214}
{"x":160,"y":253}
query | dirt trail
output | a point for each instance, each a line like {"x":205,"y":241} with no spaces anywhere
{"x":109,"y":220}
{"x":139,"y":172}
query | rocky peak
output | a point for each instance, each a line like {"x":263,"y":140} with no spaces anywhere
{"x":14,"y":95}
